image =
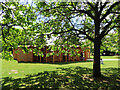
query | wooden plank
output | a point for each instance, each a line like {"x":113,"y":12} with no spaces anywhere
{"x":14,"y":54}
{"x":29,"y":56}
{"x":32,"y":55}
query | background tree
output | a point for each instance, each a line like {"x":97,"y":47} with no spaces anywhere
{"x":110,"y":42}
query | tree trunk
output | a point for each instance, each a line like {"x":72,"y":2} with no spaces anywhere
{"x":96,"y":65}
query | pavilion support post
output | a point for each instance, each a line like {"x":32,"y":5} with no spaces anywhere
{"x":53,"y":58}
{"x":46,"y":54}
{"x":66,"y":58}
{"x":73,"y":58}
{"x":60,"y":57}
{"x":32,"y":55}
{"x":40,"y":58}
{"x":89,"y":52}
{"x":85,"y":53}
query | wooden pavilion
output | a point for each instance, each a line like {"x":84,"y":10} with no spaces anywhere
{"x":30,"y":57}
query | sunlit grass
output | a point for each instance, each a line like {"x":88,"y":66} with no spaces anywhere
{"x":108,"y":57}
{"x":14,"y":69}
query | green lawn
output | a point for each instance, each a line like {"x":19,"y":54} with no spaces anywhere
{"x":108,"y":57}
{"x":59,"y":75}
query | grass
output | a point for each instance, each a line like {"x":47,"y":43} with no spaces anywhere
{"x":10,"y":67}
{"x":71,"y":75}
{"x":107,"y":57}
{"x":32,"y":68}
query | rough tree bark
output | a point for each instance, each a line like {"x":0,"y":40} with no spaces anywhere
{"x":97,"y":41}
{"x":96,"y":65}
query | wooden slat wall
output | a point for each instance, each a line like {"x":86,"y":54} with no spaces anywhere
{"x":24,"y":57}
{"x":73,"y":58}
{"x":54,"y":58}
{"x":58,"y":58}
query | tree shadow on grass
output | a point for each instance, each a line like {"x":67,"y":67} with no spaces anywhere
{"x":59,"y":63}
{"x":118,"y":57}
{"x":70,"y":62}
{"x":67,"y":78}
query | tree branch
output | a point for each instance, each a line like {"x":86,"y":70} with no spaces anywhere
{"x":101,"y":8}
{"x":73,"y":6}
{"x":105,"y":33}
{"x":90,"y":4}
{"x":87,"y":12}
{"x":108,"y":11}
{"x":67,"y":18}
{"x":63,"y":6}
{"x":115,"y":12}
{"x":72,"y":29}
